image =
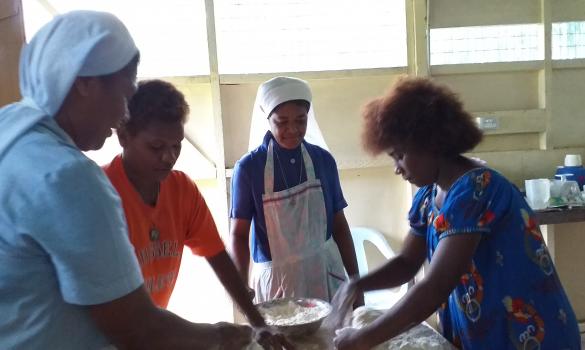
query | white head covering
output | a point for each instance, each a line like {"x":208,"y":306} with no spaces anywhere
{"x":78,"y":43}
{"x":271,"y":94}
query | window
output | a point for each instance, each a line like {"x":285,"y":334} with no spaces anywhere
{"x":502,"y":43}
{"x":171,"y":35}
{"x":568,"y":40}
{"x":262,"y":36}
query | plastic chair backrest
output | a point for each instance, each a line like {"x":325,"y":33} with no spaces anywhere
{"x":361,"y":234}
{"x":382,"y":299}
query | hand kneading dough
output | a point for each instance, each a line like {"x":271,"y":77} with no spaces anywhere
{"x":418,"y":338}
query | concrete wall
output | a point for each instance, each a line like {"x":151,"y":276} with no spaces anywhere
{"x":11,"y":39}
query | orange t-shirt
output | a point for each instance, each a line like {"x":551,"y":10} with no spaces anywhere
{"x":180,"y":217}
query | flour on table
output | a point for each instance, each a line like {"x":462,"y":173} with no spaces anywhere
{"x":418,"y":338}
{"x":255,"y":346}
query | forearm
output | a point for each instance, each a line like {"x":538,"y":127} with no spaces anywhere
{"x":240,"y":254}
{"x":451,"y":260}
{"x":225,"y":270}
{"x":342,"y":236}
{"x":168,"y":331}
{"x":134,"y":322}
{"x":395,"y":272}
{"x":418,"y":304}
{"x":347,"y":251}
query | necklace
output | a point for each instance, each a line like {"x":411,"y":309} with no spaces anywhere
{"x":282,"y":171}
{"x":154,"y":233}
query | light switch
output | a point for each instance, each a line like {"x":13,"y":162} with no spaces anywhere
{"x":487,"y":123}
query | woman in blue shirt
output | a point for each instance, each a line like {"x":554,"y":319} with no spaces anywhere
{"x":288,"y":191}
{"x":490,"y":275}
{"x":69,"y":278}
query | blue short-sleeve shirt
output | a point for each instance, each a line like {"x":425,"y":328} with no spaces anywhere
{"x":63,"y":244}
{"x":248,"y":186}
{"x":511,"y":298}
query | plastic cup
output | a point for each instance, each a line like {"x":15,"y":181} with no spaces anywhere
{"x":573,"y":160}
{"x":537,"y":193}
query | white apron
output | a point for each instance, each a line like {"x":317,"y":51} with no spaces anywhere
{"x":303,"y":263}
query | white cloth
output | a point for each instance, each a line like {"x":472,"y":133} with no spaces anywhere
{"x":303,"y":263}
{"x":78,"y":43}
{"x":274,"y":92}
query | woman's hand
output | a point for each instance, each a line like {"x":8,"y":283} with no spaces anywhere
{"x":232,"y":337}
{"x":271,"y":339}
{"x":251,"y":293}
{"x":342,"y":304}
{"x":349,"y":339}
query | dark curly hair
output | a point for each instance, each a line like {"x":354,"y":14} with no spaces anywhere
{"x":155,"y":100}
{"x":418,"y":114}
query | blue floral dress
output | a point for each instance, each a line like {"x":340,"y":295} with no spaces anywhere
{"x":511,"y":297}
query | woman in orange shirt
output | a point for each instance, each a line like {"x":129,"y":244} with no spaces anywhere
{"x":164,"y":209}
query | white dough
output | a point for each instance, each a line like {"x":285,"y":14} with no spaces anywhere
{"x":363,"y":316}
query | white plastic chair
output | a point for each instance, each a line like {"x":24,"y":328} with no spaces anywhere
{"x":379,"y":299}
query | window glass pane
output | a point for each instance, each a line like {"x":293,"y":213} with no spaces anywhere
{"x":502,"y":43}
{"x":171,"y":34}
{"x":35,"y":15}
{"x":568,"y":40}
{"x":261,"y":36}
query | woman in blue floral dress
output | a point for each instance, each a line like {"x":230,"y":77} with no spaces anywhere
{"x":490,"y":274}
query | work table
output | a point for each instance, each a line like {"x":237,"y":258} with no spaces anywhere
{"x":560,"y":216}
{"x":323,"y":339}
{"x":563,"y":231}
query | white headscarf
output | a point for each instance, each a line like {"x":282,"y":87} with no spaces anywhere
{"x":78,"y":43}
{"x":271,"y":94}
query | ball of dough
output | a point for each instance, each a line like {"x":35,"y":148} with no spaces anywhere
{"x":363,"y":316}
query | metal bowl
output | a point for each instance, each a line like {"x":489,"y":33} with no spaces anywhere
{"x":285,"y":314}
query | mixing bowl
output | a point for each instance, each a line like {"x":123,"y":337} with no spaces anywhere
{"x":295,"y":316}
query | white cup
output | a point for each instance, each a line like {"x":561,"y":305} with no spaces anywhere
{"x":537,"y":193}
{"x":573,"y":160}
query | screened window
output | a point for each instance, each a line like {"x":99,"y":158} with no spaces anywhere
{"x":171,"y":34}
{"x":568,"y":40}
{"x":261,"y":36}
{"x":481,"y":44}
